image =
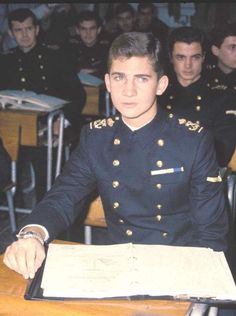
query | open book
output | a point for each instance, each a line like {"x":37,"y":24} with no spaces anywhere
{"x":29,"y":100}
{"x":133,"y":271}
{"x":89,"y":79}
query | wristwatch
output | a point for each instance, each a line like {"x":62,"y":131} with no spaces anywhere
{"x":30,"y":234}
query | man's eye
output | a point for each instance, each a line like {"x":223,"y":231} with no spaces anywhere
{"x":118,"y":77}
{"x":178,"y":57}
{"x":142,"y":79}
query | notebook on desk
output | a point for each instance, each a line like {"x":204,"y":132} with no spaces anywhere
{"x":131,"y":271}
{"x":29,"y":100}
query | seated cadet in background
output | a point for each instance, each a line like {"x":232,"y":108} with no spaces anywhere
{"x":189,"y":96}
{"x":124,"y":18}
{"x":156,"y":174}
{"x":89,"y":54}
{"x":147,"y":21}
{"x":33,"y":66}
{"x":221,"y":73}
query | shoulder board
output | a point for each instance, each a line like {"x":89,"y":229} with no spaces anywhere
{"x":8,"y":52}
{"x":106,"y":122}
{"x":193,"y":127}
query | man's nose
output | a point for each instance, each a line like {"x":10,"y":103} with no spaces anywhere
{"x":129,"y":88}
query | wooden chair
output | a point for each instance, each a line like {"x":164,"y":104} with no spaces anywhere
{"x":95,"y":217}
{"x":11,"y":140}
{"x":232,"y":163}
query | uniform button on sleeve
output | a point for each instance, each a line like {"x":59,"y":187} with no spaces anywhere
{"x":129,"y":232}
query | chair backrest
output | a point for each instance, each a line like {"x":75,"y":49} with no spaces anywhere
{"x":231,"y":191}
{"x":95,"y":215}
{"x":232,"y":163}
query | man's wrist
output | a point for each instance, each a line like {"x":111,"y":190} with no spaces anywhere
{"x":25,"y":234}
{"x":38,"y":229}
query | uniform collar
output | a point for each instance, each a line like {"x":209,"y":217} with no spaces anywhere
{"x":147,"y":133}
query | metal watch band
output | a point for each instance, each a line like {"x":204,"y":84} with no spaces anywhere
{"x":30,"y":234}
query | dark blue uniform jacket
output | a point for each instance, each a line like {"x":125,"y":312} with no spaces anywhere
{"x":159,"y":184}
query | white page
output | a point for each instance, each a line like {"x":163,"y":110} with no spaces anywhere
{"x":124,"y":270}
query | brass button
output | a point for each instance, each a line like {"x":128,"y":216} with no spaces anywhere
{"x":121,"y":221}
{"x":43,"y":77}
{"x":20,"y":69}
{"x":171,"y":97}
{"x":164,"y":234}
{"x":22,"y":80}
{"x":169,"y":107}
{"x":160,"y":142}
{"x":199,"y":97}
{"x":116,"y":141}
{"x":171,"y":115}
{"x":158,"y":185}
{"x":159,"y":163}
{"x":216,"y":80}
{"x":198,"y":122}
{"x":116,"y":204}
{"x":198,"y":108}
{"x":158,"y":217}
{"x":39,"y":56}
{"x":116,"y":163}
{"x":129,"y":232}
{"x":41,"y":66}
{"x":115,"y":184}
{"x":159,"y":206}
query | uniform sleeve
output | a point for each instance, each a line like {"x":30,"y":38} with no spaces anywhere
{"x":65,"y":201}
{"x":208,"y":206}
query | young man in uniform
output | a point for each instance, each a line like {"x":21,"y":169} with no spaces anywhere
{"x":189,"y":96}
{"x":156,"y":174}
{"x":33,"y":66}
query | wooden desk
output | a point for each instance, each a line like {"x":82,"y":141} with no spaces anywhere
{"x":29,"y":122}
{"x":12,"y":303}
{"x":92,"y":101}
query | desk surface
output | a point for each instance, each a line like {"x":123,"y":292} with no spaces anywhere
{"x":12,"y":303}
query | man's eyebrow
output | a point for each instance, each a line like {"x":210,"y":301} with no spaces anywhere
{"x":136,"y":75}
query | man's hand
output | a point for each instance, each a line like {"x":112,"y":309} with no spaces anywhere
{"x":25,"y":256}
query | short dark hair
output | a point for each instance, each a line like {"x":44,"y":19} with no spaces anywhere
{"x":124,"y":7}
{"x":138,"y":44}
{"x":147,"y":5}
{"x":88,"y":15}
{"x":188,"y":35}
{"x":20,"y":15}
{"x":219,"y":33}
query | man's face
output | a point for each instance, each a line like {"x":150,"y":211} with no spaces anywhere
{"x":133,"y":85}
{"x":145,"y":18}
{"x":25,"y":34}
{"x":226,"y":54}
{"x":88,"y":31}
{"x":126,"y":21}
{"x":187,"y":60}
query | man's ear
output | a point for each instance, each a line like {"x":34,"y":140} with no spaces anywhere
{"x":10,"y":33}
{"x":37,"y":30}
{"x":162,"y":85}
{"x":107,"y":82}
{"x":77,"y":30}
{"x":99,"y":29}
{"x":215,"y":50}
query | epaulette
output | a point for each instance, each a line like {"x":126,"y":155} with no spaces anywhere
{"x":8,"y":52}
{"x":106,"y":122}
{"x":193,"y":127}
